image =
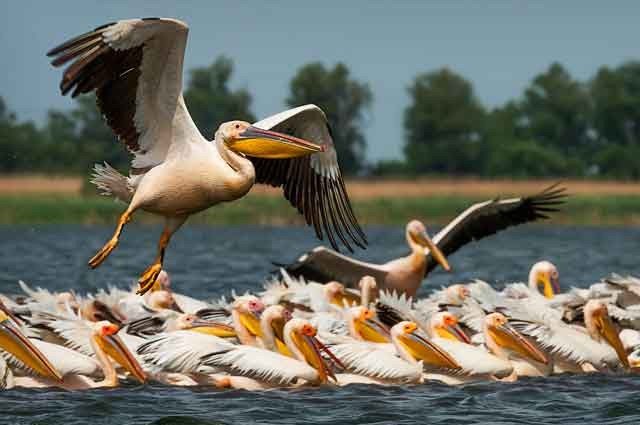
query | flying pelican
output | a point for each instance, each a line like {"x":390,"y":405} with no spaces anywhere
{"x":406,"y":274}
{"x":135,"y":68}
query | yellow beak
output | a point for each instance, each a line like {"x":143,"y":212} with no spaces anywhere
{"x":213,"y":328}
{"x":453,"y":332}
{"x":425,"y":241}
{"x":610,"y":334}
{"x":422,"y":349}
{"x":505,"y":336}
{"x":269,"y":144}
{"x":547,"y":288}
{"x":346,"y":297}
{"x":113,"y":346}
{"x":251,"y":321}
{"x":372,"y":330}
{"x":16,"y":343}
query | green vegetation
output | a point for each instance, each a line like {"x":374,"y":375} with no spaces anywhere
{"x":273,"y":210}
{"x":558,"y":126}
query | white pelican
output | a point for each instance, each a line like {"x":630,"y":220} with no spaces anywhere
{"x":99,"y":339}
{"x":406,"y":274}
{"x":475,"y":362}
{"x":14,"y":342}
{"x":135,"y":68}
{"x":546,"y":274}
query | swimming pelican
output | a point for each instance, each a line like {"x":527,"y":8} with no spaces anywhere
{"x":76,"y":368}
{"x":406,"y":274}
{"x":135,"y":68}
{"x":546,"y":274}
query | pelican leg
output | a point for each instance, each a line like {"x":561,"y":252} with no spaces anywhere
{"x":150,"y":275}
{"x":97,"y":259}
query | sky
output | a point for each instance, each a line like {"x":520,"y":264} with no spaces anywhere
{"x":498,"y":45}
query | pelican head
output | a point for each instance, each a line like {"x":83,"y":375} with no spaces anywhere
{"x":192,"y":322}
{"x":419,"y":239}
{"x":501,"y":335}
{"x":242,"y":137}
{"x":445,"y":325}
{"x":161,"y":300}
{"x":600,"y":326}
{"x":337,"y":294}
{"x":272,"y":323}
{"x":249,"y":309}
{"x":105,"y":337}
{"x":300,"y":336}
{"x":546,"y":274}
{"x":365,"y":327}
{"x":414,"y":347}
{"x":15,"y":342}
{"x":456,"y":294}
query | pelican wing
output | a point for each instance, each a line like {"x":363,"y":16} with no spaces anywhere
{"x":65,"y":360}
{"x":189,"y":304}
{"x":322,"y":265}
{"x":260,"y":364}
{"x":474,"y":360}
{"x":376,"y":362}
{"x":313,"y":184}
{"x":180,"y":351}
{"x":135,"y":68}
{"x":487,"y":218}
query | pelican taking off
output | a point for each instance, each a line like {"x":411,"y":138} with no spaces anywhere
{"x":135,"y":68}
{"x":406,"y":274}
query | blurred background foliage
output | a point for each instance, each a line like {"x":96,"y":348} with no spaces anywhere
{"x":557,"y":127}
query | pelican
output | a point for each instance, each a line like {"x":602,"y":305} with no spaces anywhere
{"x":546,"y":274}
{"x":134,"y":67}
{"x":17,"y":344}
{"x":406,"y":274}
{"x":475,"y":362}
{"x":76,"y":368}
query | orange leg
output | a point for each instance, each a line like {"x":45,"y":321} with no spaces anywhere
{"x":149,"y":276}
{"x":112,"y":243}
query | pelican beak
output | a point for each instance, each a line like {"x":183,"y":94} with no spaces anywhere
{"x":455,"y":333}
{"x":213,"y":328}
{"x":113,"y":346}
{"x":372,"y":330}
{"x":310,"y":348}
{"x":261,"y":143}
{"x":610,"y":334}
{"x":9,"y":313}
{"x":548,"y":288}
{"x":16,"y":343}
{"x":425,"y":241}
{"x":277,"y":325}
{"x":251,"y":321}
{"x":508,"y":337}
{"x":421,"y":348}
{"x":346,"y":297}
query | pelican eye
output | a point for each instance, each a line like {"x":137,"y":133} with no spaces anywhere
{"x":308,"y":330}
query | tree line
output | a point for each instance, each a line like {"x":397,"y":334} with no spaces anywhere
{"x":558,"y":126}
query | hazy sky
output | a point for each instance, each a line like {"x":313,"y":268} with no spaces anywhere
{"x":498,"y":45}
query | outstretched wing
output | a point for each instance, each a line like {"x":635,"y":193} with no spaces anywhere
{"x":135,"y":68}
{"x":313,"y":184}
{"x":322,"y":265}
{"x":490,"y":217}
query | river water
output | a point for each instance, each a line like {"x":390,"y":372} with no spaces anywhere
{"x":207,"y":262}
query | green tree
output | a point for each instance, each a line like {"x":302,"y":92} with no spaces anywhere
{"x":210,"y":100}
{"x":556,"y":111}
{"x":345,"y":101}
{"x":616,"y":100}
{"x":443,"y":124}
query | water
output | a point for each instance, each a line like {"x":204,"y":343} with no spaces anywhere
{"x":208,"y":261}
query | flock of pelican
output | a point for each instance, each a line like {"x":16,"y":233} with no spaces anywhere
{"x":303,"y":333}
{"x":310,"y":325}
